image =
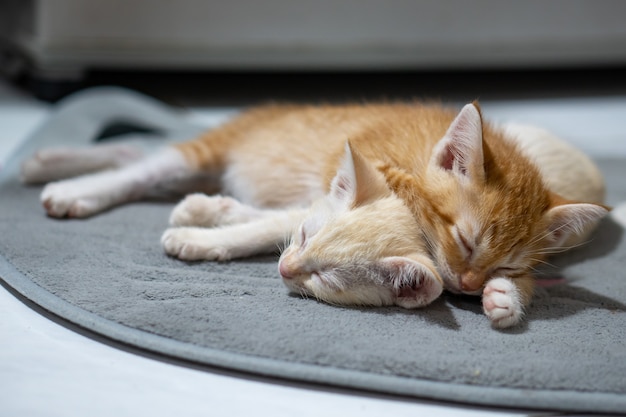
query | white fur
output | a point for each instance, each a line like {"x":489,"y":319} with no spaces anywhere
{"x":619,"y":214}
{"x":502,"y":303}
{"x":92,"y":193}
{"x":417,"y":279}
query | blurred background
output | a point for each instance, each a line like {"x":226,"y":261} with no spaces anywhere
{"x":243,"y":51}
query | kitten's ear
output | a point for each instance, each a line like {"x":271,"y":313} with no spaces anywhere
{"x":565,"y":220}
{"x":460,"y":151}
{"x":414,"y":283}
{"x":357,"y":181}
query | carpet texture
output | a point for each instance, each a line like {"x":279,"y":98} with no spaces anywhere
{"x":109,"y":274}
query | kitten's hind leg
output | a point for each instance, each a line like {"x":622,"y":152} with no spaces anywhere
{"x":93,"y":193}
{"x":265,"y":235}
{"x":53,"y":164}
{"x":209,"y":211}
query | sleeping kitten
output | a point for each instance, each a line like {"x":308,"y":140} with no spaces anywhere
{"x":466,"y":184}
{"x":488,"y":214}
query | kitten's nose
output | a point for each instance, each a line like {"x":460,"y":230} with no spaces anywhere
{"x":470,"y":281}
{"x":285,"y":271}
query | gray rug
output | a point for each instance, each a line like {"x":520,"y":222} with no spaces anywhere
{"x":109,"y":274}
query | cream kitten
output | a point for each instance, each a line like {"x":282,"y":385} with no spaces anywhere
{"x":360,"y":245}
{"x":413,"y":175}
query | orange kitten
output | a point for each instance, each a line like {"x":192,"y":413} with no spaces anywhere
{"x":488,"y":215}
{"x":420,"y":193}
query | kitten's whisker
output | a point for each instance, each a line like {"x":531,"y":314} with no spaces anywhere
{"x":556,"y":249}
{"x":541,"y":261}
{"x":541,"y":236}
{"x":287,"y":241}
{"x":576,"y":245}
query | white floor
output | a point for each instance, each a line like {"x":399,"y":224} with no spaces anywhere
{"x":49,"y":370}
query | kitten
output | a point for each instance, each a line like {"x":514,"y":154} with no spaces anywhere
{"x":360,"y":245}
{"x":487,"y":214}
{"x":412,"y":175}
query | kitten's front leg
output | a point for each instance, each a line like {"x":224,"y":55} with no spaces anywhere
{"x":261,"y":236}
{"x":504,"y":300}
{"x":93,"y":193}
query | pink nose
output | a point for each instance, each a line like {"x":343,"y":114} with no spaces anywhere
{"x":471,"y":281}
{"x":284,"y":270}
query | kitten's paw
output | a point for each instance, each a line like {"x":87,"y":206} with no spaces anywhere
{"x":414,"y":284}
{"x":419,"y":293}
{"x":207,"y":211}
{"x":65,"y":199}
{"x":501,"y":303}
{"x":193,"y":244}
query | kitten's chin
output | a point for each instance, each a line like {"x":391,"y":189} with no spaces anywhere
{"x":302,"y":286}
{"x":293,"y":286}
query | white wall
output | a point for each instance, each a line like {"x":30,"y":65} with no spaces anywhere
{"x":321,"y":34}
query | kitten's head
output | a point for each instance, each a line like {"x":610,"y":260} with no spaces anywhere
{"x":484,"y":208}
{"x":360,"y":245}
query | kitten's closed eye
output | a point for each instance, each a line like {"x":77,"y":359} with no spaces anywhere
{"x":302,"y":237}
{"x":505,"y":271}
{"x":309,"y":228}
{"x":465,"y":244}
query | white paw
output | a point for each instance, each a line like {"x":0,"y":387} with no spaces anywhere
{"x":501,"y":303}
{"x":208,"y":211}
{"x":70,"y":199}
{"x":423,"y":289}
{"x":194,"y":244}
